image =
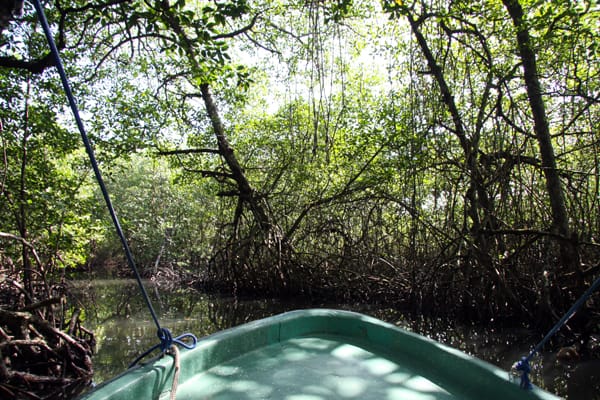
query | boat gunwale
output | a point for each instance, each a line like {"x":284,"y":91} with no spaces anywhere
{"x":153,"y":379}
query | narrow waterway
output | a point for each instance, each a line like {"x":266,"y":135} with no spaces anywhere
{"x":123,"y":327}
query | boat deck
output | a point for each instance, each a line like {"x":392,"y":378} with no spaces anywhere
{"x":312,"y":368}
{"x":317,"y":355}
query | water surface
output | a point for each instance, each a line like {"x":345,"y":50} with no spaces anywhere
{"x":124,"y":329}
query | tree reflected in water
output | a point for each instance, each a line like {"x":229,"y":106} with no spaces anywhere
{"x":116,"y":312}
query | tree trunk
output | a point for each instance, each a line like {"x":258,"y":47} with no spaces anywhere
{"x":568,"y":249}
{"x":477,"y":197}
{"x":22,"y":215}
{"x":271,"y":232}
{"x":246,"y":192}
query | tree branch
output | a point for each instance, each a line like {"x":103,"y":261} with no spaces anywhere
{"x":24,"y":242}
{"x":187,"y":151}
{"x":212,"y":174}
{"x":34,"y":66}
{"x":236,"y":32}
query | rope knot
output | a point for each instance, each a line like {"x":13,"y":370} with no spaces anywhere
{"x":523,"y":367}
{"x":166,"y":339}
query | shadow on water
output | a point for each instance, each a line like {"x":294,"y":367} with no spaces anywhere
{"x":124,"y":329}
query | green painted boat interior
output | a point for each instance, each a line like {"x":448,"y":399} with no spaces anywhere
{"x":317,"y":355}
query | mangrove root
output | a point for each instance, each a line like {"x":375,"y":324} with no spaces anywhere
{"x":39,"y":361}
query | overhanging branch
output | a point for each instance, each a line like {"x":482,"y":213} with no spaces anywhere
{"x":34,"y":66}
{"x":236,"y":32}
{"x":187,"y":151}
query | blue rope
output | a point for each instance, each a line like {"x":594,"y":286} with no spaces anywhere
{"x":166,"y":339}
{"x":523,"y":364}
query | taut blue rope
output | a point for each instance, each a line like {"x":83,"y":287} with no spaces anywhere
{"x":523,"y":364}
{"x":164,"y":335}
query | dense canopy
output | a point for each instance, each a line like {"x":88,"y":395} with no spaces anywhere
{"x":440,"y":155}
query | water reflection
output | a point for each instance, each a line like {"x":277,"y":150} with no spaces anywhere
{"x":117,"y":314}
{"x":124,"y":329}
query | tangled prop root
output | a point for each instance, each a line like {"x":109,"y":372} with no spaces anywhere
{"x":39,"y":361}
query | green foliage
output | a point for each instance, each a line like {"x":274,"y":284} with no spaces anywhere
{"x":392,"y":143}
{"x":157,"y":214}
{"x":43,"y":180}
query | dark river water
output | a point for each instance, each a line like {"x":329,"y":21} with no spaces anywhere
{"x":124,"y":329}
